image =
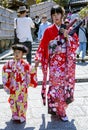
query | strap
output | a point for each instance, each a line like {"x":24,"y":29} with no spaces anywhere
{"x":16,"y":22}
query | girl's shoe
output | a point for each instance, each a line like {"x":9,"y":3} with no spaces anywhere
{"x":22,"y":120}
{"x":64,"y":118}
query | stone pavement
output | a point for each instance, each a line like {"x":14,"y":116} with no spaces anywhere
{"x":37,"y":117}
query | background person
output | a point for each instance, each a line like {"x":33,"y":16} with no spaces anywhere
{"x":23,"y":27}
{"x":37,"y":22}
{"x":44,"y":24}
{"x":82,"y":41}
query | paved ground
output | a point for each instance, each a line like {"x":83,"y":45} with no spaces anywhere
{"x":37,"y":117}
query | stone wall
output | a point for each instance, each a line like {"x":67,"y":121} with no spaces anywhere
{"x":6,"y":27}
{"x":42,"y":8}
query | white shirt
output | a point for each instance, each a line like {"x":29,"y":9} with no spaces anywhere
{"x":23,"y":28}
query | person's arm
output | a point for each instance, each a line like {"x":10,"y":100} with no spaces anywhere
{"x":39,"y":33}
{"x":32,"y":23}
{"x":6,"y":71}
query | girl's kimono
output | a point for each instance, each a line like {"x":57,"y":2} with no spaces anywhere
{"x":59,"y":55}
{"x":17,"y":86}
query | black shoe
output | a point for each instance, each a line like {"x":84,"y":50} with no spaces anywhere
{"x":77,"y":56}
{"x":83,"y":61}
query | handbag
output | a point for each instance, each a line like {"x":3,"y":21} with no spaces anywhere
{"x":16,"y":39}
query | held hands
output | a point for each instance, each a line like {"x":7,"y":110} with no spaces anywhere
{"x":36,"y":64}
{"x":11,"y":74}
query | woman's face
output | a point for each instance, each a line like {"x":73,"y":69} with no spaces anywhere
{"x":57,"y":18}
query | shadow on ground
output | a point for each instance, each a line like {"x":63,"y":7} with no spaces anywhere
{"x":56,"y":124}
{"x":13,"y":126}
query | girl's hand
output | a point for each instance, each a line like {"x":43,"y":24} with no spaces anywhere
{"x":66,"y":33}
{"x":11,"y":74}
{"x":36,"y":64}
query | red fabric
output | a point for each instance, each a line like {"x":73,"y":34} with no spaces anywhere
{"x":43,"y":56}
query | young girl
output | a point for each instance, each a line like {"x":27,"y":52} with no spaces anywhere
{"x":17,"y":77}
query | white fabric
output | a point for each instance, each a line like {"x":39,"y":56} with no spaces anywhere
{"x":23,"y":28}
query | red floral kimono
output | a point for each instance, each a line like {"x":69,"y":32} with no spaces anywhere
{"x":59,"y":55}
{"x":17,"y":85}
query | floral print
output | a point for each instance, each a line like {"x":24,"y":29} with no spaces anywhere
{"x":17,"y":86}
{"x":59,"y":55}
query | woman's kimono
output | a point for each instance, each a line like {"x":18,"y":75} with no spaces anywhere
{"x":59,"y":55}
{"x":17,"y":86}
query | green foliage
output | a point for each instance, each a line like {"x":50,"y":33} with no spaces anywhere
{"x":62,"y":2}
{"x":16,"y":3}
{"x":84,"y":12}
{"x":4,"y":3}
{"x":38,"y":1}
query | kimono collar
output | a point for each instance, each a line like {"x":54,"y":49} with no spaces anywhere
{"x":58,"y":27}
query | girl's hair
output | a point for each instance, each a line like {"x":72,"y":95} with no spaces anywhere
{"x":57,"y":9}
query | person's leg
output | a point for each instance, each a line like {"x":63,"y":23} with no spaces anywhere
{"x":83,"y":50}
{"x":29,"y":54}
{"x":13,"y":108}
{"x":22,"y":108}
{"x":79,"y":49}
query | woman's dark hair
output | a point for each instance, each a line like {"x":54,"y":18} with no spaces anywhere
{"x":57,"y":9}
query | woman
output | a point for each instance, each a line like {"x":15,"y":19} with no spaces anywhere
{"x":57,"y":51}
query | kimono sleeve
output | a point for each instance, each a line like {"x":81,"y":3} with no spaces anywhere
{"x":42,"y":52}
{"x":73,"y":43}
{"x":6,"y":70}
{"x":31,"y":76}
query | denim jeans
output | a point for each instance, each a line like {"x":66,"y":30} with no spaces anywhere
{"x":28,"y":44}
{"x":82,"y":47}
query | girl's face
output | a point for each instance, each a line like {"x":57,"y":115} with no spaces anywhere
{"x":57,"y":18}
{"x":18,"y":54}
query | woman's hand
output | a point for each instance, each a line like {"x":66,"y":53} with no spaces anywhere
{"x":65,"y":33}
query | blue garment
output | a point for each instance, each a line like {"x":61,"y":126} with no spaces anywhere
{"x":42,"y":28}
{"x":82,"y":41}
{"x":82,"y":48}
{"x":82,"y":34}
